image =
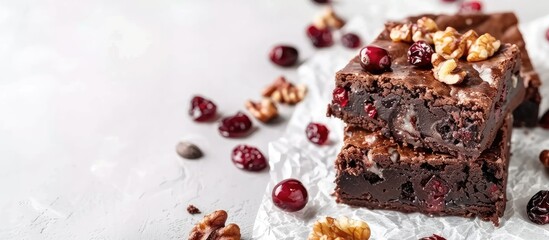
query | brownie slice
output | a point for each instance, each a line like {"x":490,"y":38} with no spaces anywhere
{"x":503,"y":26}
{"x":374,"y":172}
{"x":412,"y":107}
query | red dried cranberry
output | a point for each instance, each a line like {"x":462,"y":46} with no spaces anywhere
{"x":290,"y":195}
{"x":544,"y":120}
{"x":538,"y":208}
{"x":202,"y":109}
{"x":436,"y":189}
{"x":320,"y":37}
{"x":317,"y":133}
{"x":375,"y":59}
{"x":341,"y":96}
{"x":371,"y":110}
{"x":547,"y":35}
{"x":350,"y":40}
{"x":248,"y":158}
{"x":419,"y":54}
{"x":321,"y":1}
{"x":470,"y":7}
{"x":235,"y":126}
{"x":284,"y":55}
{"x":434,"y":237}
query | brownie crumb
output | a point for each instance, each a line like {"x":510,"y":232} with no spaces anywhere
{"x":191,"y":209}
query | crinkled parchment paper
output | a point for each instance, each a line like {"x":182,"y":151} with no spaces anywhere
{"x":294,"y":156}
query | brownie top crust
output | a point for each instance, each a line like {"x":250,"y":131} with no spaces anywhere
{"x":503,"y":26}
{"x":480,"y":89}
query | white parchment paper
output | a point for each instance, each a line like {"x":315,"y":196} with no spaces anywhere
{"x":294,"y":156}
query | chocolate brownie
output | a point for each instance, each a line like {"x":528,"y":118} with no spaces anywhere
{"x":374,"y":172}
{"x":414,"y":108}
{"x":503,"y":26}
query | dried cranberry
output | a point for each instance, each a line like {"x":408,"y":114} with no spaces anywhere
{"x":320,"y":37}
{"x":544,"y":158}
{"x":341,"y":96}
{"x":371,"y":110}
{"x":350,"y":40}
{"x":248,"y":158}
{"x":284,"y":55}
{"x":419,"y":54}
{"x":202,"y":109}
{"x":317,"y":133}
{"x":321,"y":1}
{"x":290,"y":195}
{"x":235,"y":126}
{"x":436,"y":189}
{"x":470,"y":7}
{"x":547,"y":35}
{"x":538,"y":208}
{"x":375,"y":59}
{"x":544,"y":120}
{"x":434,"y":237}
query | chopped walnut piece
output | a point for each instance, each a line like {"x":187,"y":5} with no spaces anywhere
{"x":484,"y":47}
{"x":340,"y":229}
{"x":448,"y":43}
{"x":329,"y":19}
{"x":213,"y":227}
{"x":401,"y":33}
{"x":283,"y":91}
{"x":446,"y":70}
{"x":264,"y":111}
{"x":424,"y":29}
{"x":469,"y":38}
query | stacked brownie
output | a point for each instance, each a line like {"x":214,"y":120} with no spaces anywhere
{"x":414,"y":143}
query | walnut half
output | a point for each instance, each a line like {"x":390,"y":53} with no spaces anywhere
{"x":264,"y":111}
{"x":483,"y":47}
{"x":212,"y":227}
{"x":342,"y":228}
{"x":283,"y":91}
{"x":448,"y":43}
{"x":446,"y":70}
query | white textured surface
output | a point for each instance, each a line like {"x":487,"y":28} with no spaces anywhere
{"x":93,"y":99}
{"x":293,"y":156}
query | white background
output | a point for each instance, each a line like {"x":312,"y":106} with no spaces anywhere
{"x":94,"y":97}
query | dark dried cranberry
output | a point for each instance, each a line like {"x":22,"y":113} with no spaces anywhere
{"x":436,"y":189}
{"x":317,"y":133}
{"x":235,"y":126}
{"x":341,"y":96}
{"x":538,"y":208}
{"x":350,"y":40}
{"x":290,"y":195}
{"x":434,"y":237}
{"x":321,"y":1}
{"x":248,"y":158}
{"x":544,"y":120}
{"x":320,"y":37}
{"x":202,"y":109}
{"x":544,"y":158}
{"x":371,"y":110}
{"x":375,"y":59}
{"x":284,"y":55}
{"x":470,"y":7}
{"x":419,"y":54}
